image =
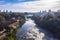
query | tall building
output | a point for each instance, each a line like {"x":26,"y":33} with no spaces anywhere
{"x":0,"y":10}
{"x":3,"y":11}
{"x":10,"y":11}
{"x":58,"y":10}
{"x":6,"y":11}
{"x":49,"y":11}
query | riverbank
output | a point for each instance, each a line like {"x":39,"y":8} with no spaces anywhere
{"x":10,"y":22}
{"x":50,"y":23}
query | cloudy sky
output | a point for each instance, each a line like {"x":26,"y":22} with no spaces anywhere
{"x":29,"y":5}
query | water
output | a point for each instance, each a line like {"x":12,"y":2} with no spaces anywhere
{"x":30,"y":31}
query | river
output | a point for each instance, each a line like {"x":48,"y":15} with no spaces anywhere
{"x":30,"y":31}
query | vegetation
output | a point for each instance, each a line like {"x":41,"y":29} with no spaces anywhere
{"x":10,"y":22}
{"x":50,"y":22}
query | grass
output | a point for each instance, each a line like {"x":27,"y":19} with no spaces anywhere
{"x":11,"y":35}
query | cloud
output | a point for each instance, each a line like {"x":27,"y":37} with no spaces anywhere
{"x":32,"y":6}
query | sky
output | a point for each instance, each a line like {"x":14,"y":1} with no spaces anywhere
{"x":29,"y":5}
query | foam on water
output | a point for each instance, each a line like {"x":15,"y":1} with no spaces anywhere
{"x":29,"y":31}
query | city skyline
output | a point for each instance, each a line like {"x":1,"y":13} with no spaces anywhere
{"x":29,"y":5}
{"x":32,"y":12}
